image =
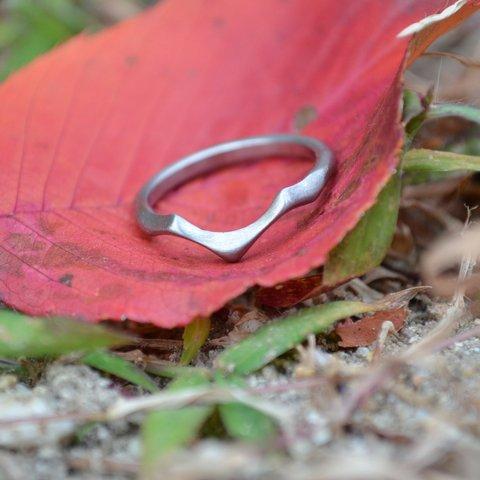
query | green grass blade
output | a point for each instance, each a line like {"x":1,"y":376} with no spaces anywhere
{"x":118,"y":366}
{"x":164,"y":431}
{"x":164,"y":368}
{"x":431,"y":161}
{"x":22,"y":336}
{"x":282,"y":335}
{"x":245,"y":423}
{"x":367,"y":244}
{"x":194,"y":336}
{"x":441,"y":110}
{"x":241,"y":421}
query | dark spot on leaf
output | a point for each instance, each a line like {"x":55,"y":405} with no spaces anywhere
{"x":66,"y":279}
{"x":47,"y":226}
{"x":42,"y":145}
{"x":131,"y":60}
{"x":304,"y":116}
{"x":218,"y":22}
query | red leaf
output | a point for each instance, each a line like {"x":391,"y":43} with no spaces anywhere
{"x":83,"y":127}
{"x":365,"y":331}
{"x":291,"y":292}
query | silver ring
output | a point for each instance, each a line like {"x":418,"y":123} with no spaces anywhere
{"x":232,"y":245}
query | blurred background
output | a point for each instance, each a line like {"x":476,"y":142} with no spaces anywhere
{"x":31,"y":27}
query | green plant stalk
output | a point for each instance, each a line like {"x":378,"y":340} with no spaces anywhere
{"x":442,"y":110}
{"x":423,"y":160}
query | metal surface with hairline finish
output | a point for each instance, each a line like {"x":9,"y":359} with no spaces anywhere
{"x":232,"y":245}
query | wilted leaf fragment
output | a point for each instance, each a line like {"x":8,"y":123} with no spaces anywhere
{"x":164,"y":431}
{"x":367,"y":244}
{"x":121,"y":368}
{"x":365,"y":331}
{"x":22,"y":336}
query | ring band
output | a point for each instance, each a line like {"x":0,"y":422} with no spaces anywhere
{"x":232,"y":245}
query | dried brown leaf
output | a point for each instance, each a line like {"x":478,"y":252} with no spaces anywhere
{"x":365,"y":331}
